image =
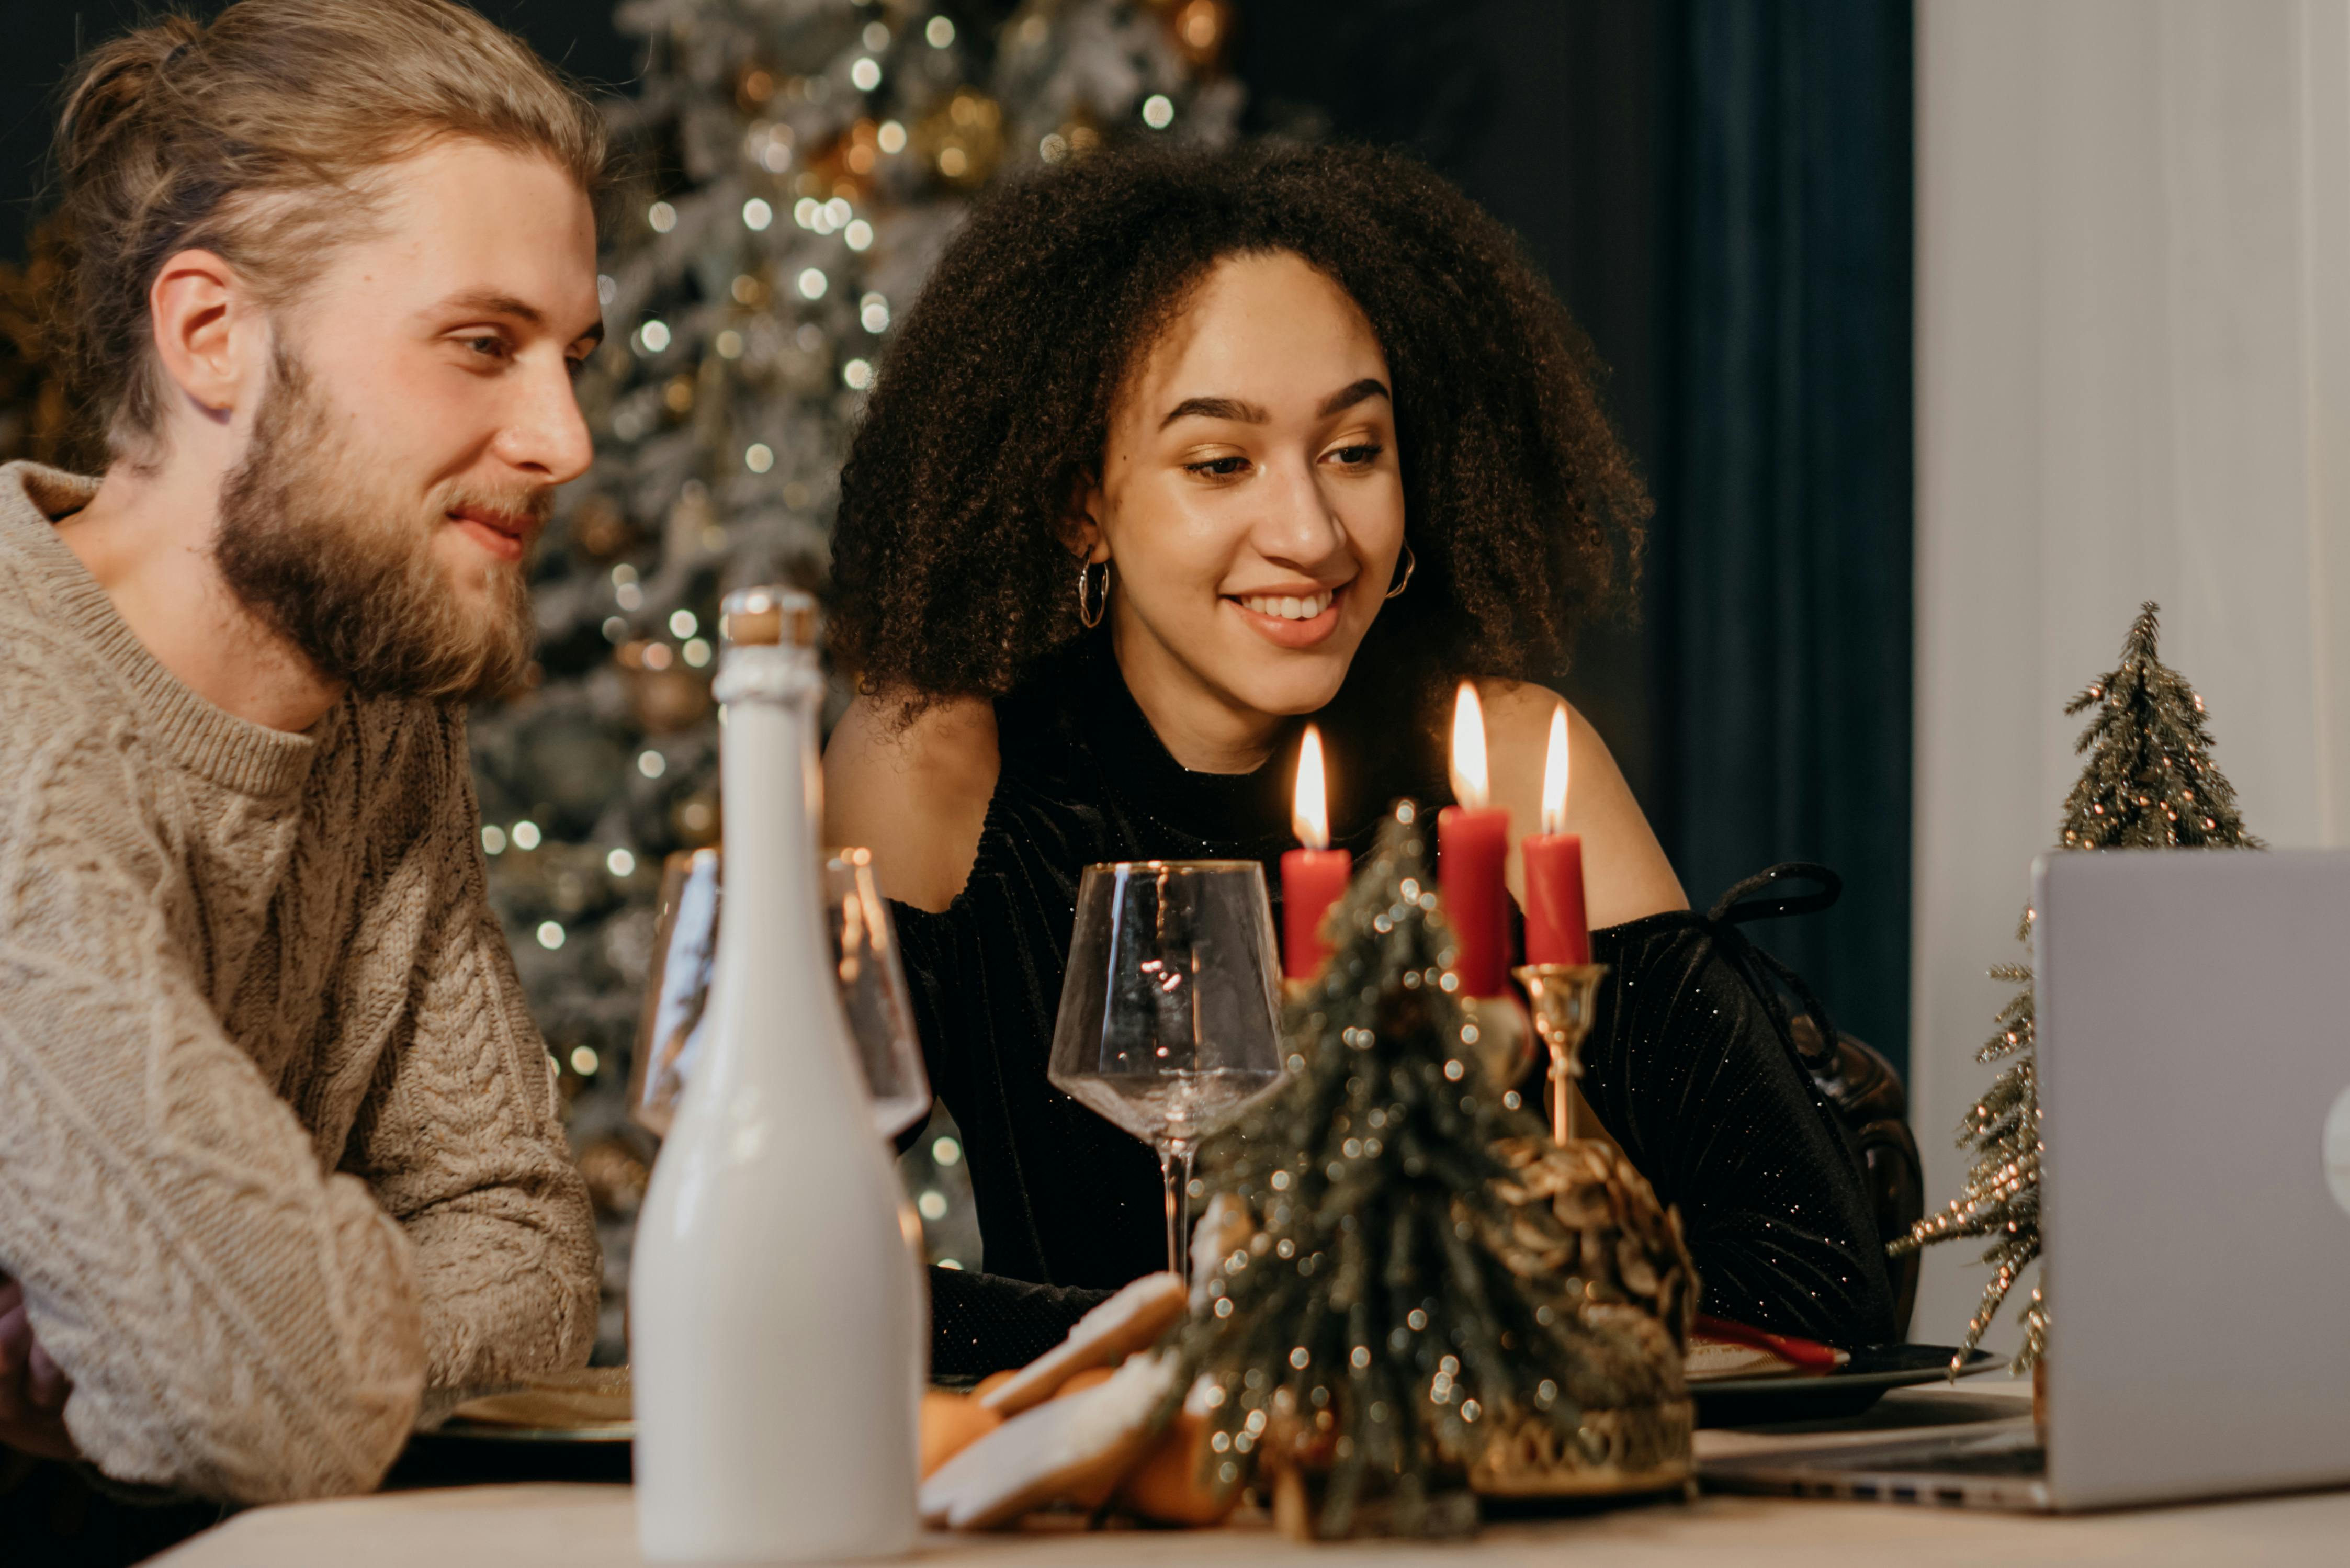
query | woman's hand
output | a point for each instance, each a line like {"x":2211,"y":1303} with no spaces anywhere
{"x":32,"y":1387}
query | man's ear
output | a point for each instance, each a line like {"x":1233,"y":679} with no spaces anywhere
{"x":205,"y":319}
{"x":1081,"y":529}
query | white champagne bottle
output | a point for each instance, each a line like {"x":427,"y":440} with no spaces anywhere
{"x":774,"y":1297}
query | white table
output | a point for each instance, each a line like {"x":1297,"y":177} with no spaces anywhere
{"x":583,"y":1526}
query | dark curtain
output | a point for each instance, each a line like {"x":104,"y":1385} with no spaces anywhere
{"x":1780,"y":596}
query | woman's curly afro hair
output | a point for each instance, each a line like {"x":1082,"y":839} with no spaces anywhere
{"x":952,"y":569}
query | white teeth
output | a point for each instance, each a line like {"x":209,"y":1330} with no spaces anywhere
{"x":1285,"y":607}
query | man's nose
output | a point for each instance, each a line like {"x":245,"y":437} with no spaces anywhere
{"x":549,"y":435}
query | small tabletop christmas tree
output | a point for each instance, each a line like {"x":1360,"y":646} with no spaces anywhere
{"x":1415,"y":1299}
{"x":2149,"y":783}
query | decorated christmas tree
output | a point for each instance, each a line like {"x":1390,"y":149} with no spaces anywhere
{"x":36,"y":416}
{"x":1424,"y":1292}
{"x":2149,"y":783}
{"x":797,"y":165}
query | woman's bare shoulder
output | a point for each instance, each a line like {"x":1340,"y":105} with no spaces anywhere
{"x":914,"y":792}
{"x":1626,"y":872}
{"x":1517,"y":739}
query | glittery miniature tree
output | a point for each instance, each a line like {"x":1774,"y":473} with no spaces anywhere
{"x":1394,"y":1314}
{"x":2149,"y":783}
{"x":795,"y":167}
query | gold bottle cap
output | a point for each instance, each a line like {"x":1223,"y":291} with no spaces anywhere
{"x":768,"y":614}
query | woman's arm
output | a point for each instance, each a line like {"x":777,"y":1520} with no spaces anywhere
{"x":1625,"y":872}
{"x":915,"y":795}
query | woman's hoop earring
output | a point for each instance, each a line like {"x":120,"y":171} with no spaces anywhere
{"x":1411,"y":565}
{"x":1089,"y":610}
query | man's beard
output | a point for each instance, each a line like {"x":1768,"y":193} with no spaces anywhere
{"x":347,"y":574}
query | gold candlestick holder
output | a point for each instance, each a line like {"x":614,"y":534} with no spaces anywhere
{"x":1564,"y":996}
{"x":1617,"y":1259}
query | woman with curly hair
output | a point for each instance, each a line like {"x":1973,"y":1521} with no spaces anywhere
{"x":1173,"y":452}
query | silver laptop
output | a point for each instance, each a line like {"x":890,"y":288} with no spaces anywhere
{"x":2194,"y":1037}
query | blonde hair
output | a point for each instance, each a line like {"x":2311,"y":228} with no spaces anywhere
{"x":251,"y":138}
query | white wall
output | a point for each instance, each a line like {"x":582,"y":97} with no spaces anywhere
{"x":2132,"y":334}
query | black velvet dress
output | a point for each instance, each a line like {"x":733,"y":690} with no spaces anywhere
{"x":1685,"y":1065}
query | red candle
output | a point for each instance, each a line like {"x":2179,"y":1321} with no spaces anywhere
{"x":1557,"y":929}
{"x":1312,"y":879}
{"x":1472,"y":842}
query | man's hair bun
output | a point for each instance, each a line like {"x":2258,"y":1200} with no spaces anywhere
{"x":117,"y":90}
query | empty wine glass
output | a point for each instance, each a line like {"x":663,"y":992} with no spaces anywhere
{"x":865,"y":956}
{"x":1167,"y":1020}
{"x":873,"y":992}
{"x":677,"y":988}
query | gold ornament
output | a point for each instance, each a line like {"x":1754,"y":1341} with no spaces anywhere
{"x":665,"y":696}
{"x":1200,"y":28}
{"x":844,"y":166}
{"x":962,"y":138}
{"x":755,"y":86}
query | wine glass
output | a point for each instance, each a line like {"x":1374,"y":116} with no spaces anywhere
{"x":873,"y":992}
{"x":865,"y":956}
{"x":677,"y":989}
{"x":1167,"y":1020}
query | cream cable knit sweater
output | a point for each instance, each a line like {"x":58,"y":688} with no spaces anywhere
{"x":278,"y":1144}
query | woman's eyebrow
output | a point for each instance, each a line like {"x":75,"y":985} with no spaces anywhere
{"x":1251,"y":414}
{"x":1346,"y":398}
{"x":1215,"y":408}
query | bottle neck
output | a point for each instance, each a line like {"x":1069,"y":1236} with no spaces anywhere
{"x":772,"y":795}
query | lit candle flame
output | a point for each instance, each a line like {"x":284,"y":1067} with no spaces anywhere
{"x":1553,"y":816}
{"x":1309,"y":812}
{"x":1469,"y":779}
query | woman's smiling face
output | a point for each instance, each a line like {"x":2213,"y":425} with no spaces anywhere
{"x":1250,"y":498}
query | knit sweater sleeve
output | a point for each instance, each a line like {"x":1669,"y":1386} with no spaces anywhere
{"x":236,"y":1321}
{"x":459,"y":1135}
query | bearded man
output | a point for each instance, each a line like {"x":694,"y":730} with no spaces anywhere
{"x":279,"y":1151}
